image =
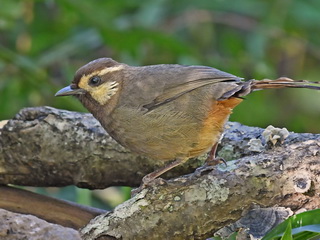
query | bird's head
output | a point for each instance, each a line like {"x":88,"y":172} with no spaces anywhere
{"x":97,"y":81}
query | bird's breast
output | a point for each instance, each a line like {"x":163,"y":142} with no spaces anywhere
{"x":165,"y":133}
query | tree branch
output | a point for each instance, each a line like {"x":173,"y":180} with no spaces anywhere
{"x":192,"y":207}
{"x":50,"y":147}
{"x":65,"y":213}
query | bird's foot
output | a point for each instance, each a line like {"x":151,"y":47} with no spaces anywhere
{"x":215,"y":161}
{"x":152,"y":178}
{"x":148,"y":181}
{"x":208,"y":166}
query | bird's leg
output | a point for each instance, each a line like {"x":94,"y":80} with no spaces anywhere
{"x":151,"y":176}
{"x":212,"y":160}
{"x":146,"y":180}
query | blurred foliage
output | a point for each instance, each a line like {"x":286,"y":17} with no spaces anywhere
{"x":42,"y":43}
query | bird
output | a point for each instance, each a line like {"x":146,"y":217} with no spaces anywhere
{"x":167,"y":112}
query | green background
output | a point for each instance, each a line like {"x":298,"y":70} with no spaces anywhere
{"x":42,"y":44}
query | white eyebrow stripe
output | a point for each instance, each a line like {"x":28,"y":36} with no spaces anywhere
{"x":103,"y":71}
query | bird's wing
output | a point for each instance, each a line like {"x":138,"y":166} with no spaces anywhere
{"x":186,"y":79}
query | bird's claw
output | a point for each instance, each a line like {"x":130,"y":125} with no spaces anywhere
{"x":208,"y":166}
{"x":215,"y":161}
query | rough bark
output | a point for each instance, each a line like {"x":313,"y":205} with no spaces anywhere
{"x":18,"y":226}
{"x":192,"y":207}
{"x":50,"y":147}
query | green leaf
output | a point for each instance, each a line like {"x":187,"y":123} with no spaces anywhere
{"x":233,"y":236}
{"x":287,"y":234}
{"x":306,"y":235}
{"x":306,"y":224}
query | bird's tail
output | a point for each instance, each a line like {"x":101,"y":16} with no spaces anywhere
{"x":283,"y":82}
{"x":246,"y":87}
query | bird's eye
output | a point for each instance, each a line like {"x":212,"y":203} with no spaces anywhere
{"x":94,"y":81}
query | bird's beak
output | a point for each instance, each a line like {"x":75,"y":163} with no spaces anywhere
{"x":69,"y":91}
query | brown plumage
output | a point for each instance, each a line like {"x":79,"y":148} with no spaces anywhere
{"x":165,"y":112}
